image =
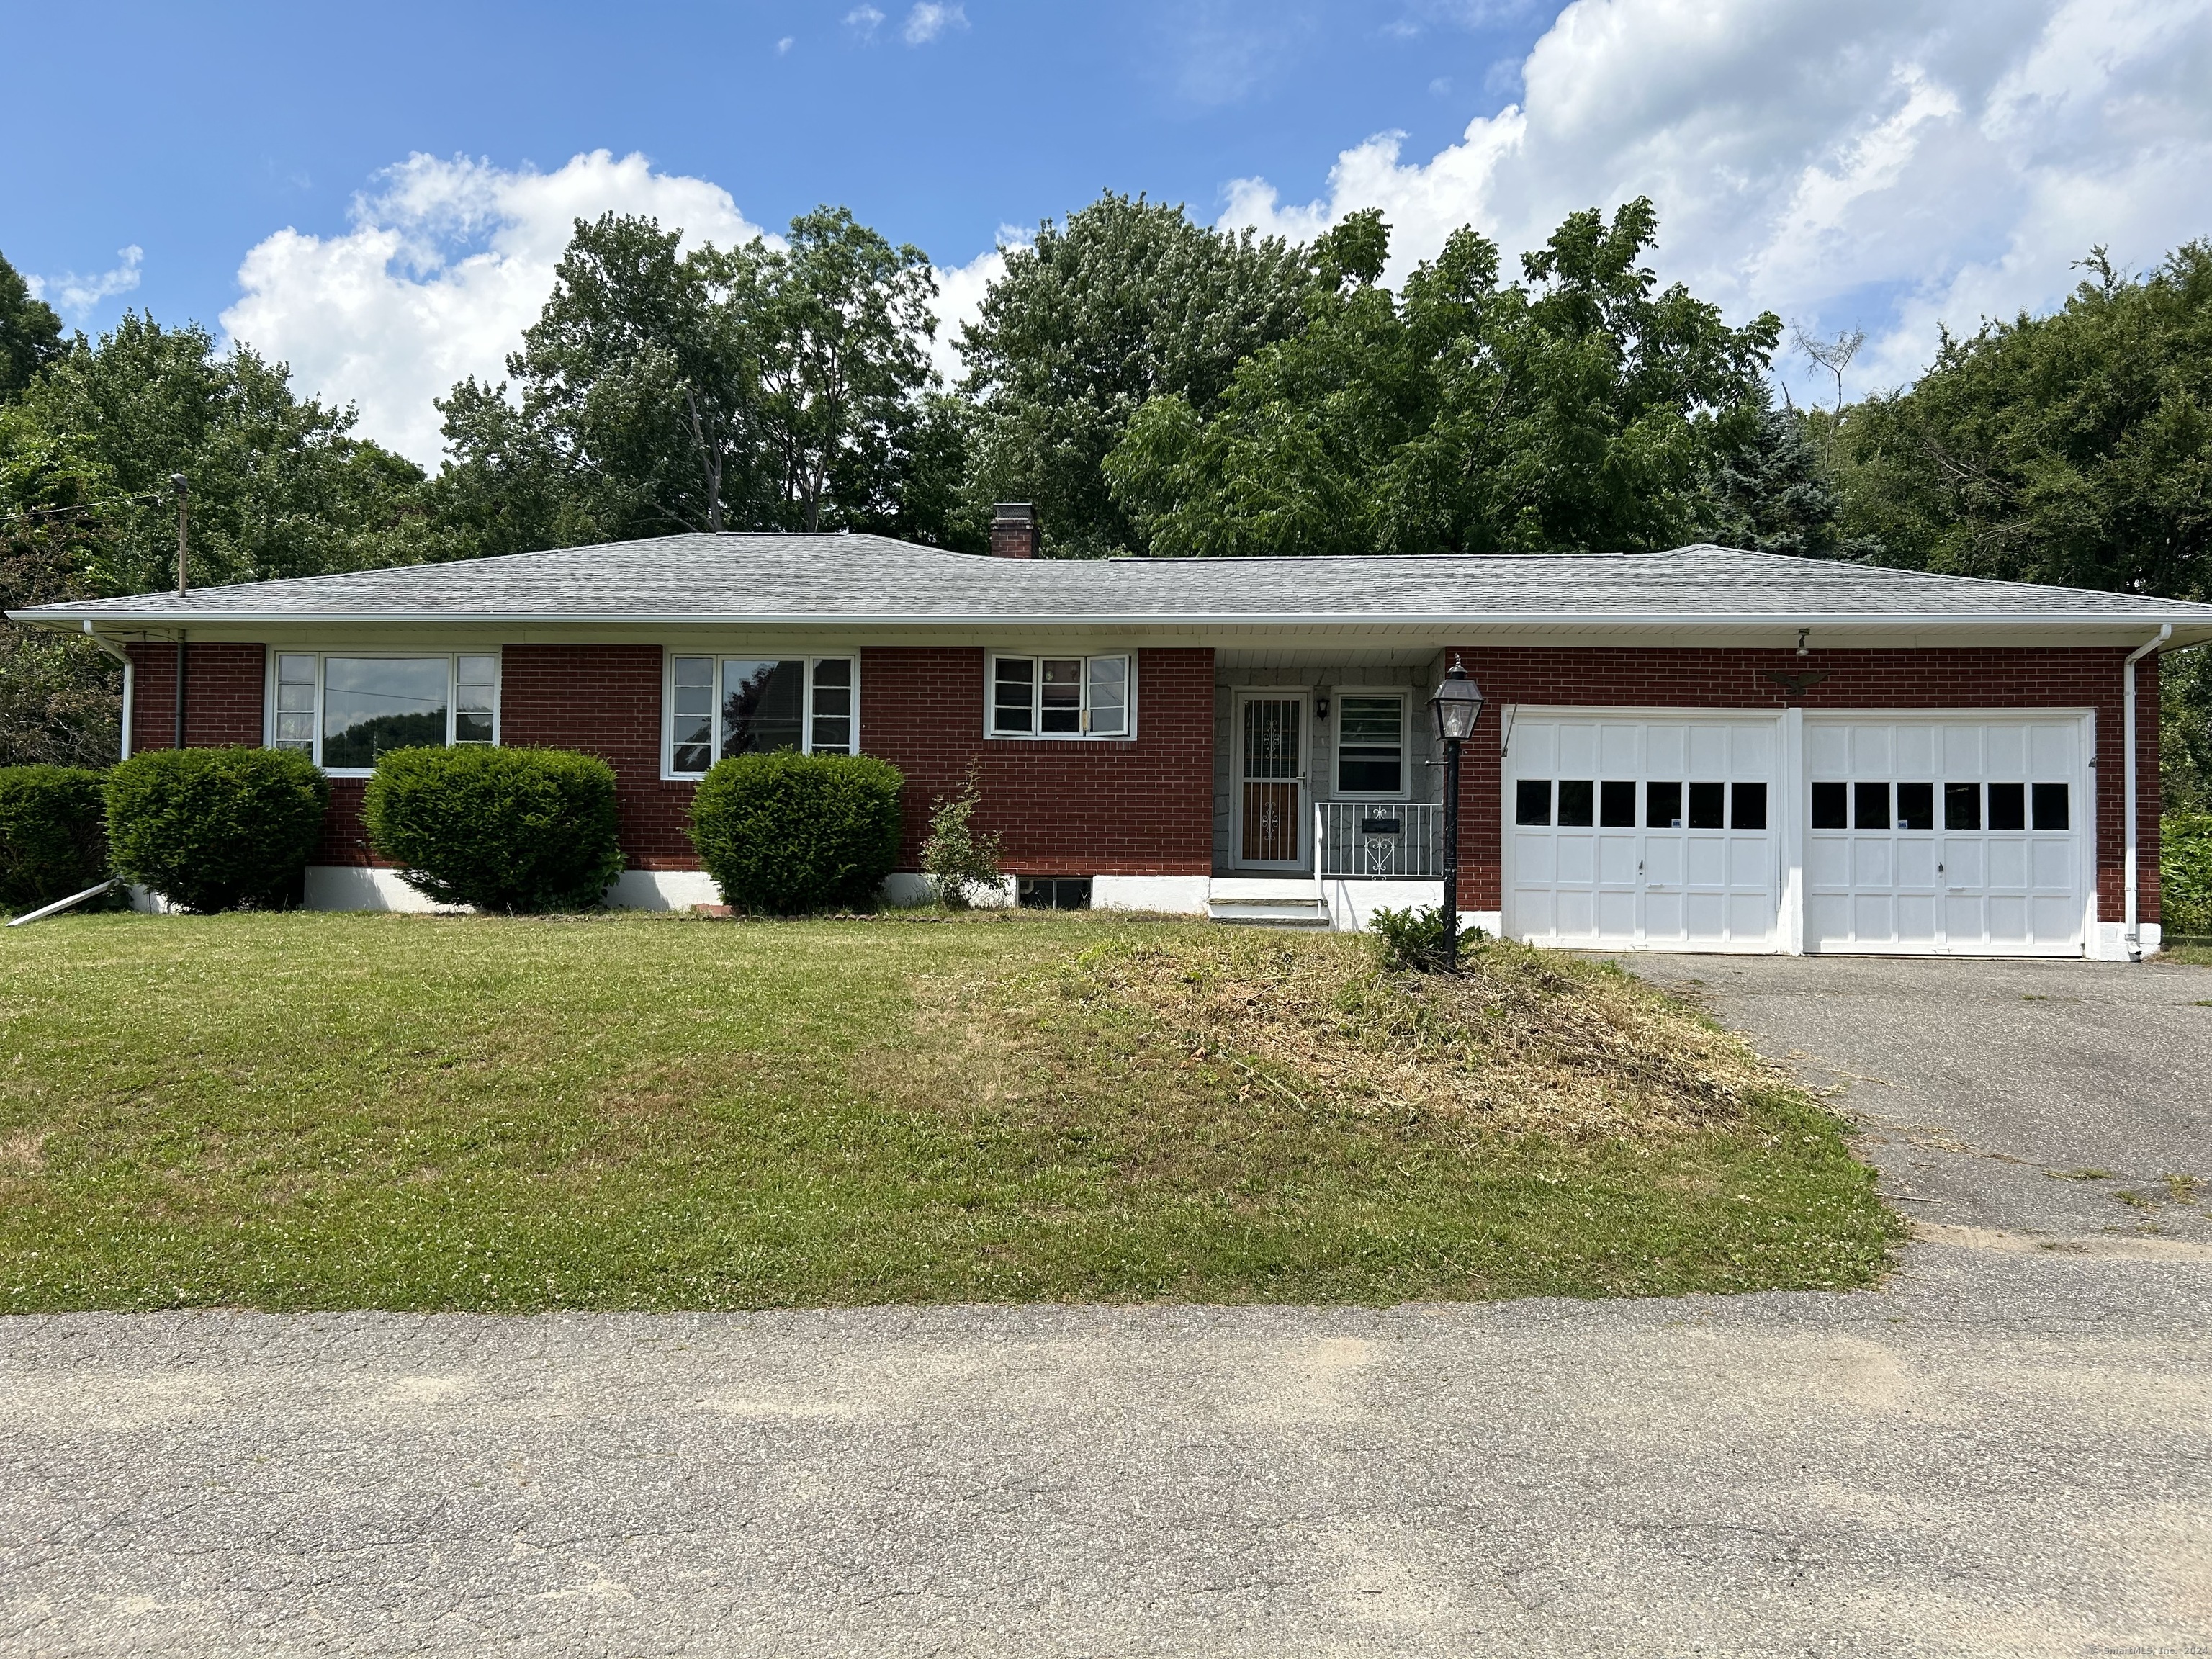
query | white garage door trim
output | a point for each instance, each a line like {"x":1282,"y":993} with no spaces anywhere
{"x":1921,"y":885}
{"x":1630,"y":865}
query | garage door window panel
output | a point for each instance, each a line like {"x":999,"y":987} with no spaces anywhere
{"x":1577,"y":802}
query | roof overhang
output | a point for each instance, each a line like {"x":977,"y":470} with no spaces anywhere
{"x":1903,"y":629}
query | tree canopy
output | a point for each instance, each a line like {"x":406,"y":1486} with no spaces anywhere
{"x":741,"y":388}
{"x":2074,"y":448}
{"x":279,"y":487}
{"x":1126,"y":301}
{"x":30,"y":333}
{"x":1581,"y":407}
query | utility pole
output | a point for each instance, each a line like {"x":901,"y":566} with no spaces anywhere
{"x":184,"y":515}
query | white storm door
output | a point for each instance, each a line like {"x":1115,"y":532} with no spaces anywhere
{"x":1627,"y":832}
{"x":1932,"y":836}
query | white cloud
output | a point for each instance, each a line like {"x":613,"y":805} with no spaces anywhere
{"x":960,"y":299}
{"x":447,"y":263}
{"x":78,"y":294}
{"x":1893,"y":165}
{"x":929,"y":20}
{"x":783,"y":46}
{"x":863,"y":20}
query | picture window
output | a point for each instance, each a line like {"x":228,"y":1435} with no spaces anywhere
{"x":344,"y":710}
{"x":721,"y":707}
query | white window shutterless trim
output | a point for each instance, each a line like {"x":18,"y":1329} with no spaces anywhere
{"x":818,"y":719}
{"x":1374,"y":753}
{"x":1040,"y":698}
{"x":296,"y":698}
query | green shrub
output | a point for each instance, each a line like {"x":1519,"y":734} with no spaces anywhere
{"x":54,"y":834}
{"x":1415,"y":938}
{"x":2184,"y":875}
{"x":962,"y":860}
{"x":787,"y":833}
{"x":505,"y":829}
{"x":215,"y":828}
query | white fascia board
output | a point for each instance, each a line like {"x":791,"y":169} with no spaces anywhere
{"x":45,"y":618}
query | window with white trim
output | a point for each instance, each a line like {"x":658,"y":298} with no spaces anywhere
{"x":1370,"y":743}
{"x":342,"y":710}
{"x":1060,"y":697}
{"x":719,"y":707}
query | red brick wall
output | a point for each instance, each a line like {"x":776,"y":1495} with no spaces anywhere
{"x":606,"y":700}
{"x":1146,"y":807}
{"x":1075,"y":807}
{"x":223,"y":686}
{"x":2072,"y":677}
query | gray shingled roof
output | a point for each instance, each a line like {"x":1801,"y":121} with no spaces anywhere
{"x":855,"y":579}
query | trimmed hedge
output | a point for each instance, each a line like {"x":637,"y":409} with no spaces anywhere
{"x":2184,"y":875}
{"x":785,"y":834}
{"x":511,"y":830}
{"x":54,"y":834}
{"x":215,"y":828}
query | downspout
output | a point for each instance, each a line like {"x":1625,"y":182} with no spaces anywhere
{"x":2134,"y":925}
{"x":129,"y":682}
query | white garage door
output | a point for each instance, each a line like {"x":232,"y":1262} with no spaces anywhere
{"x":1641,"y":833}
{"x":1929,"y":836}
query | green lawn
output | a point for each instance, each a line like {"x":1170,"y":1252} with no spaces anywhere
{"x":333,"y":1111}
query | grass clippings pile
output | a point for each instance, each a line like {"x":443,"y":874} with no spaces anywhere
{"x":1523,"y":1041}
{"x":297,"y":1111}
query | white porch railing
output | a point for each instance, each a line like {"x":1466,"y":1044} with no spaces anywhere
{"x":1378,"y":840}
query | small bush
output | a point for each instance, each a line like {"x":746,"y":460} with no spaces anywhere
{"x":962,"y":860}
{"x":54,"y":834}
{"x":2184,"y":875}
{"x":787,"y":833}
{"x":507,"y":829}
{"x":1415,"y":938}
{"x":215,"y":828}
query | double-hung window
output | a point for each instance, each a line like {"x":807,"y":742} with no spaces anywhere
{"x":1370,"y":744}
{"x":1060,"y":697}
{"x":719,"y":707}
{"x":343,"y":709}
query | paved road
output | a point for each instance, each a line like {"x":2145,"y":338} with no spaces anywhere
{"x":2008,"y":1450}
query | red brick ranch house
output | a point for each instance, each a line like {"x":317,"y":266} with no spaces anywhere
{"x":1702,"y":750}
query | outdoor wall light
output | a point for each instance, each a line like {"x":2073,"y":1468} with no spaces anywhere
{"x":1457,"y":705}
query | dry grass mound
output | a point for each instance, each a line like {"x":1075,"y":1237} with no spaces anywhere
{"x":1523,"y":1041}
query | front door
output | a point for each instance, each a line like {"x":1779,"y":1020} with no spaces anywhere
{"x":1271,"y":782}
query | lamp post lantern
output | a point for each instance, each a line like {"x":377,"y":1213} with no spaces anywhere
{"x":1456,"y":706}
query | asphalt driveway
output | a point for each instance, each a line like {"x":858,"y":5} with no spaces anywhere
{"x":2006,"y":1450}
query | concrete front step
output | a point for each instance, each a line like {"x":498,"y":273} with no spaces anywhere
{"x":1269,"y":912}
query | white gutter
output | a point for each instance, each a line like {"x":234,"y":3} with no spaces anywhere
{"x":1788,"y":621}
{"x":2135,"y":926}
{"x":129,"y":682}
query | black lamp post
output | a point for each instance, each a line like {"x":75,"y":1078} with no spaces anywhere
{"x":1457,"y":705}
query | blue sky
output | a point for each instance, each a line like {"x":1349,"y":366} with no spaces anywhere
{"x":377,"y":196}
{"x":217,"y":124}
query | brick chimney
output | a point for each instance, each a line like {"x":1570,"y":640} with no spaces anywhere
{"x":1013,"y":531}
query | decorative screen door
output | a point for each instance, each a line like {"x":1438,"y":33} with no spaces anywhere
{"x":1271,"y":753}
